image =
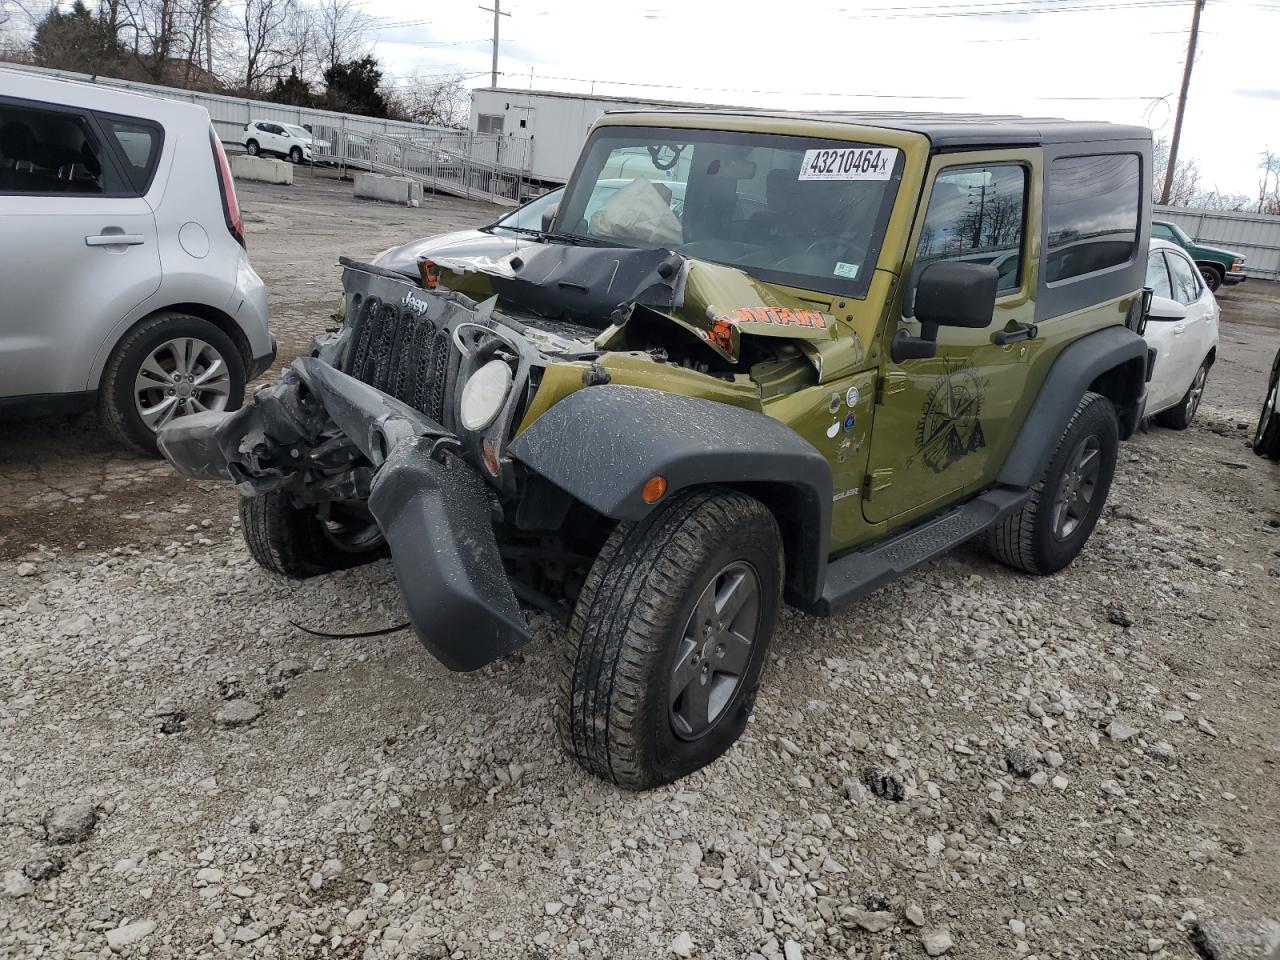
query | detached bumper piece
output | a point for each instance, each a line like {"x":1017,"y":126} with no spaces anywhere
{"x":435,"y":512}
{"x":325,"y":435}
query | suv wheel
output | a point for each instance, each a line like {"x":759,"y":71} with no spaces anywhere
{"x":668,"y":638}
{"x":1053,"y":525}
{"x":306,"y":541}
{"x":1212,"y":276}
{"x":296,"y":154}
{"x":251,"y":148}
{"x":168,"y":366}
{"x":1266,"y":439}
{"x":1180,"y":417}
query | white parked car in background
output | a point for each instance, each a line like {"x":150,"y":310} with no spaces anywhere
{"x":280,"y":139}
{"x":1182,"y":331}
{"x":125,"y":280}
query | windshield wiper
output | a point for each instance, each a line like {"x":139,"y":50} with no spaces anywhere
{"x":576,"y":240}
{"x":502,"y":226}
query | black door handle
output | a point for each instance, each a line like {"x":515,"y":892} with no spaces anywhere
{"x":1025,"y":331}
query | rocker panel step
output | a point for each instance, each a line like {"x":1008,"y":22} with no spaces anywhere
{"x":857,"y":574}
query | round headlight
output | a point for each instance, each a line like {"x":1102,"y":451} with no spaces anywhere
{"x":484,"y":395}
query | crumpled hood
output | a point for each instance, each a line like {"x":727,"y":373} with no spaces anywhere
{"x":601,"y":286}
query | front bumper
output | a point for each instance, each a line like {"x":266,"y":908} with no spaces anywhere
{"x":1231,"y":279}
{"x":434,"y":510}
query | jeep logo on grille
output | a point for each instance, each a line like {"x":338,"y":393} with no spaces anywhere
{"x":413,"y":303}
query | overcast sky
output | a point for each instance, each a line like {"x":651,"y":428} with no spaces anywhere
{"x":1117,"y":60}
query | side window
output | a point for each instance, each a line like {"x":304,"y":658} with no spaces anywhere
{"x":490,"y":123}
{"x":975,"y":215}
{"x":1186,"y":282}
{"x":50,"y":152}
{"x":1092,"y":214}
{"x":139,"y":142}
{"x":1158,"y":276}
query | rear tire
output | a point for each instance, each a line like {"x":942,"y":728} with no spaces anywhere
{"x":1180,"y":417}
{"x":1053,"y":525}
{"x":295,"y":542}
{"x":1212,"y":276}
{"x":663,"y":656}
{"x":147,"y":348}
{"x":252,"y":148}
{"x":1266,"y":439}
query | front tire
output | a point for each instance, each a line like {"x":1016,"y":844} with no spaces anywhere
{"x":1053,"y":525}
{"x":669,"y":635}
{"x":296,"y":154}
{"x":252,"y":148}
{"x":300,"y":541}
{"x":168,"y":366}
{"x":1212,"y":276}
{"x":1180,"y":417}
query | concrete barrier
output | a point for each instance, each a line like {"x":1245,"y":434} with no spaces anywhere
{"x":245,"y":167}
{"x":402,"y":190}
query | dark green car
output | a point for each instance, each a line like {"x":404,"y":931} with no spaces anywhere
{"x":792,"y":357}
{"x":1217,"y":266}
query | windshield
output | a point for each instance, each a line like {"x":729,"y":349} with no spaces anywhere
{"x":794,"y":210}
{"x":529,"y":217}
{"x":299,"y":132}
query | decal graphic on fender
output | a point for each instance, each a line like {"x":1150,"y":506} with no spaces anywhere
{"x":950,"y":426}
{"x":782,"y":316}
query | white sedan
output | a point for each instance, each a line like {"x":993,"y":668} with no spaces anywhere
{"x":283,"y":139}
{"x":1182,"y":332}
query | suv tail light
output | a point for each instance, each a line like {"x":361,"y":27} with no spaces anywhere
{"x":227,"y":187}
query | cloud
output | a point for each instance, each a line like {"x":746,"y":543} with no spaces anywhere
{"x":1258,"y":93}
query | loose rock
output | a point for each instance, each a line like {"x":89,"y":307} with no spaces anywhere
{"x":71,"y":823}
{"x":238,"y":713}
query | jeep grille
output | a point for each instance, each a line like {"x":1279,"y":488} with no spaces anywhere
{"x":400,"y":353}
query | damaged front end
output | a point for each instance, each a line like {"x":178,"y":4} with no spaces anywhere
{"x":372,"y":417}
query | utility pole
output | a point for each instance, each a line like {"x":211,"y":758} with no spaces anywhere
{"x":497,"y":12}
{"x":1182,"y":101}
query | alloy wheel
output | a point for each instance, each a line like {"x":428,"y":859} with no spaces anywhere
{"x":1196,"y":392}
{"x":1077,"y":488}
{"x":180,"y":376}
{"x":1268,"y":410}
{"x":715,"y":650}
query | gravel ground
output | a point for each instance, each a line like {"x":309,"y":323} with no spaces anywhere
{"x":972,"y":762}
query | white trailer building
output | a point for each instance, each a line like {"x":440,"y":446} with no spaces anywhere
{"x":554,"y":124}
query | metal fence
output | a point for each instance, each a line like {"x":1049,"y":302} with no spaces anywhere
{"x":1255,"y":235}
{"x":444,"y":164}
{"x":480,"y":165}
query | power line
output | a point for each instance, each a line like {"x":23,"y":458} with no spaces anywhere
{"x":812,"y":93}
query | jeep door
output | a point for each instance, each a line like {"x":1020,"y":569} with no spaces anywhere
{"x":79,"y":245}
{"x":942,"y":424}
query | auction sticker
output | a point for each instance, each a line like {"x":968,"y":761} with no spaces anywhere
{"x":849,"y":163}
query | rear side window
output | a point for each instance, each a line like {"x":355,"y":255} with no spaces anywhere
{"x":139,"y":143}
{"x":51,"y":152}
{"x":1158,"y":276}
{"x":1186,"y":280}
{"x":1092,"y":215}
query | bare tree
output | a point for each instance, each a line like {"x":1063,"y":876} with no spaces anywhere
{"x":442,"y":101}
{"x":1268,"y":193}
{"x":340,"y":30}
{"x":264,"y":28}
{"x":1186,"y":176}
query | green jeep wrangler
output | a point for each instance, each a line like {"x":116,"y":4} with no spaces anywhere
{"x":792,"y":356}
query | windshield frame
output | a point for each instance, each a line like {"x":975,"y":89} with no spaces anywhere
{"x":577,"y":194}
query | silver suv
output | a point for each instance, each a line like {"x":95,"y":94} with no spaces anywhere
{"x":124,"y":277}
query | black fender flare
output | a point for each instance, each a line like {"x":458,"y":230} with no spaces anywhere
{"x":602,"y":443}
{"x":1112,"y":361}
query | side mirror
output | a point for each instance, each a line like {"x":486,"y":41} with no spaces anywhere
{"x":949,"y":293}
{"x":1162,"y":308}
{"x":549,"y":216}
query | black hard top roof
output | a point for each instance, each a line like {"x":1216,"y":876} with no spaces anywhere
{"x":952,"y":129}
